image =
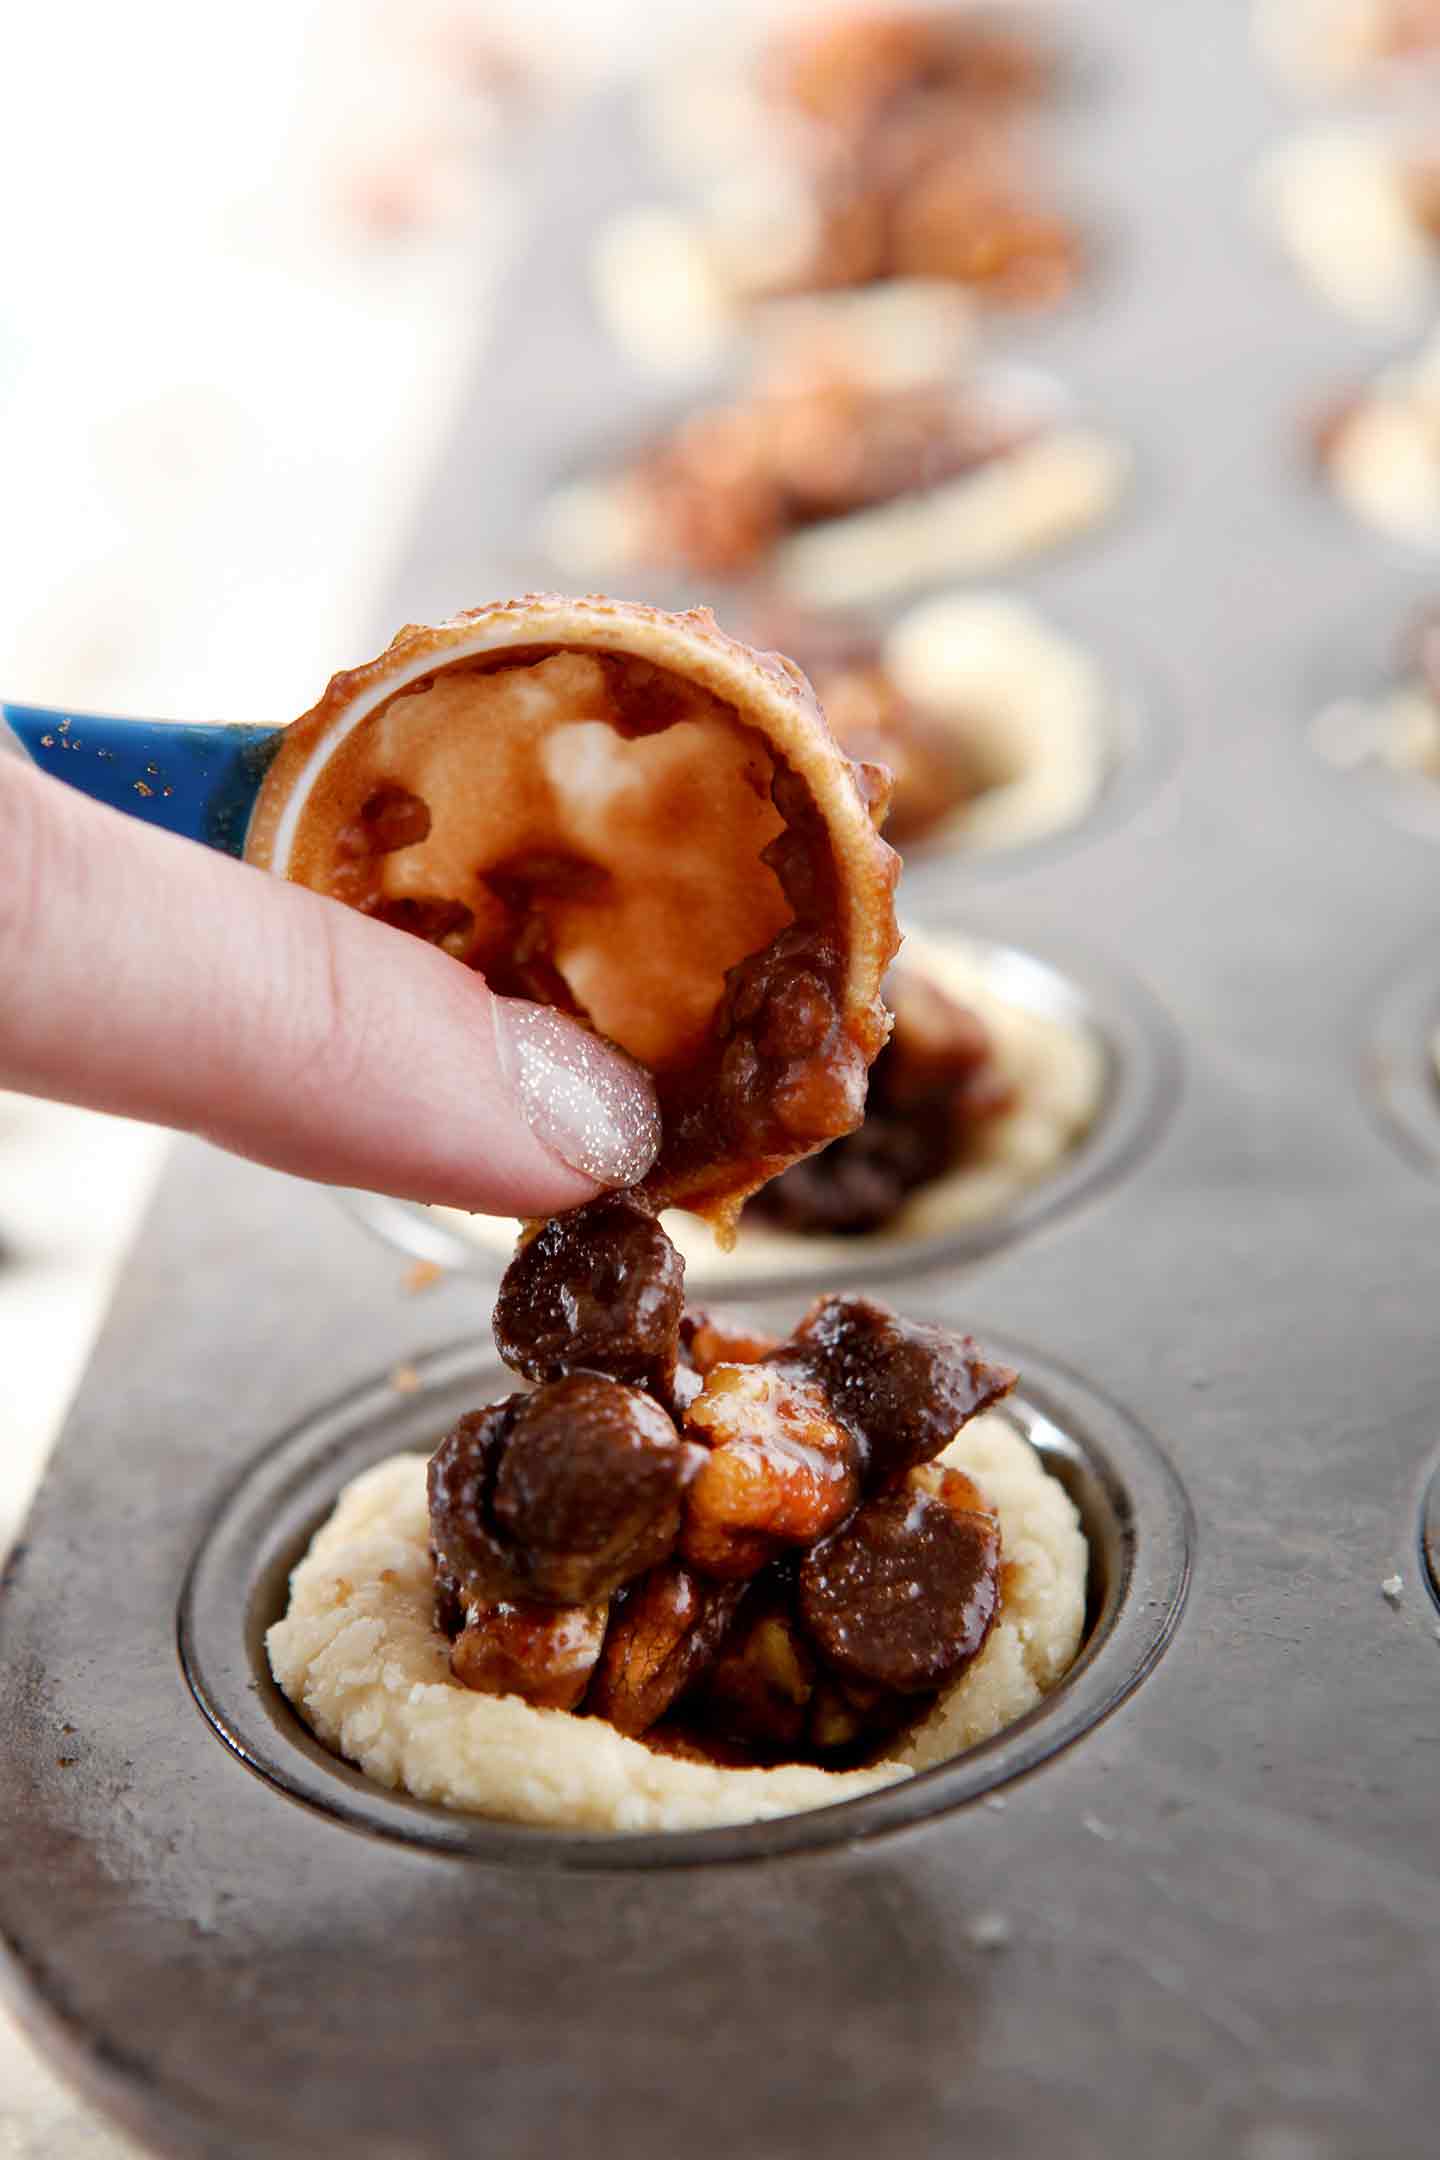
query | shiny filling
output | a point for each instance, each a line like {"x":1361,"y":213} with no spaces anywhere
{"x":728,"y":1546}
{"x":932,"y":1089}
{"x":728,"y":484}
{"x":913,"y":167}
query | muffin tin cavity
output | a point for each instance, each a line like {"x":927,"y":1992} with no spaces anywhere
{"x":958,"y":1218}
{"x":1430,"y":1534}
{"x":1400,"y":1072}
{"x":1378,"y":743}
{"x":1068,"y":739}
{"x":1135,"y":1514}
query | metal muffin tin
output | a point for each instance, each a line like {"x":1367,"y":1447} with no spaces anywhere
{"x":1400,"y":1062}
{"x":1208,"y":1923}
{"x":1347,"y":690}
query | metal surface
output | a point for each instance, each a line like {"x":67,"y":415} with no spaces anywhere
{"x":1212,"y":1923}
{"x":1399,"y":1065}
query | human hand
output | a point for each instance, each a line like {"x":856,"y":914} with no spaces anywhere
{"x":144,"y":975}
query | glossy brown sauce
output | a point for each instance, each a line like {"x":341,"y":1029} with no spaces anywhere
{"x":760,"y":1558}
{"x":913,"y":165}
{"x":932,"y":1090}
{"x":733,"y":480}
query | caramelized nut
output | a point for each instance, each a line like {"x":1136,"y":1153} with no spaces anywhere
{"x":781,"y":1469}
{"x":662,"y":1635}
{"x":758,"y":1690}
{"x":545,"y":1653}
{"x":706,"y":1343}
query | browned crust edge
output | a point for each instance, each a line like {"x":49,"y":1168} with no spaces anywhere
{"x":768,"y":693}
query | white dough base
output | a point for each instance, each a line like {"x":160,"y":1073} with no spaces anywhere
{"x":1321,"y":46}
{"x":1056,"y":1069}
{"x":1385,"y":462}
{"x":359,"y":1656}
{"x":1033,"y":708}
{"x":1056,"y":485}
{"x":1399,"y":730}
{"x":1337,"y":202}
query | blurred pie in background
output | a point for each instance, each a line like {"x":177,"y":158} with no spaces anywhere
{"x":1333,"y":45}
{"x":1358,"y":212}
{"x":853,"y":465}
{"x":997,"y":728}
{"x":1397,"y":728}
{"x":1378,"y":447}
{"x":859,"y":146}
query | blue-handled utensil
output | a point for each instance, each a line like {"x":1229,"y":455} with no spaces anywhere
{"x":198,"y":778}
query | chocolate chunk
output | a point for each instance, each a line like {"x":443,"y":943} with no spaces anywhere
{"x":590,"y":1486}
{"x":861,"y":1182}
{"x":560,"y":1496}
{"x":903,"y":1387}
{"x":903,"y":1597}
{"x":449,"y":1603}
{"x":600,"y":1289}
{"x":471,"y":1565}
{"x":788,"y":1074}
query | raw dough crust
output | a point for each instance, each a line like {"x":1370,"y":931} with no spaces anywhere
{"x":1059,"y":483}
{"x":1399,"y":730}
{"x":1384,"y":463}
{"x":1029,"y":702}
{"x":1338,"y":203}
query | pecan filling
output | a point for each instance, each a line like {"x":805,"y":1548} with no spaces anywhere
{"x":912,"y":172}
{"x":724,"y":1545}
{"x":1408,"y":28}
{"x":847,"y":67}
{"x":932,"y":1089}
{"x":872,"y":719}
{"x":815,"y":443}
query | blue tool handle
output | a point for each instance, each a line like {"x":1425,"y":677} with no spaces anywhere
{"x":198,"y":778}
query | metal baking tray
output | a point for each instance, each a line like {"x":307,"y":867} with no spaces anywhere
{"x":1193,"y":1904}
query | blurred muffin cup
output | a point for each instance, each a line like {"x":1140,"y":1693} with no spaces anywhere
{"x":1002,"y":1076}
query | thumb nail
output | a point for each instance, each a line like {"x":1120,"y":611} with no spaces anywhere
{"x":581,"y":1096}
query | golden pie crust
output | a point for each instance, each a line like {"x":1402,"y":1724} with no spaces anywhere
{"x":514,"y":725}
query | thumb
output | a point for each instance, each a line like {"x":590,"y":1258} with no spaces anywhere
{"x":145,"y":975}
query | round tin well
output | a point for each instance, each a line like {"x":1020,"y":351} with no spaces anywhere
{"x":1135,"y":1514}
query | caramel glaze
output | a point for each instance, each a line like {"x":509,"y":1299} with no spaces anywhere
{"x":933,"y":1088}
